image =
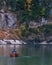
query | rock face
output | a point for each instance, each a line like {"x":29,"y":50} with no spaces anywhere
{"x":7,"y":20}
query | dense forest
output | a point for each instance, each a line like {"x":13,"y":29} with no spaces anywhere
{"x":30,"y":11}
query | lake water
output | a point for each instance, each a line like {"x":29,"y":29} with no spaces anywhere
{"x":31,"y":55}
{"x":26,"y":61}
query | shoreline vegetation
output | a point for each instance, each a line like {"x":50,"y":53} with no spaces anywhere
{"x":39,"y":34}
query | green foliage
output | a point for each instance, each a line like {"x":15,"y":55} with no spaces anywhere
{"x":36,"y":12}
{"x":46,"y":30}
{"x":20,"y":5}
{"x":0,"y":1}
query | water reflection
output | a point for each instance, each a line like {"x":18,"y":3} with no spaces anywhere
{"x":31,"y":55}
{"x":8,"y":61}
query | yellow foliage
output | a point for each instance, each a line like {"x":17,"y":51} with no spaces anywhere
{"x":22,"y":27}
{"x":29,"y":1}
{"x":18,"y":33}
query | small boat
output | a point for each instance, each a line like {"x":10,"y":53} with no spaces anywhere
{"x":14,"y":53}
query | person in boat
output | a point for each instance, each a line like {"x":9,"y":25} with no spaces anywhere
{"x":14,"y":53}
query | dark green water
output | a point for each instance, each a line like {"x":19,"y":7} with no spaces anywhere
{"x":26,"y":60}
{"x":21,"y":61}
